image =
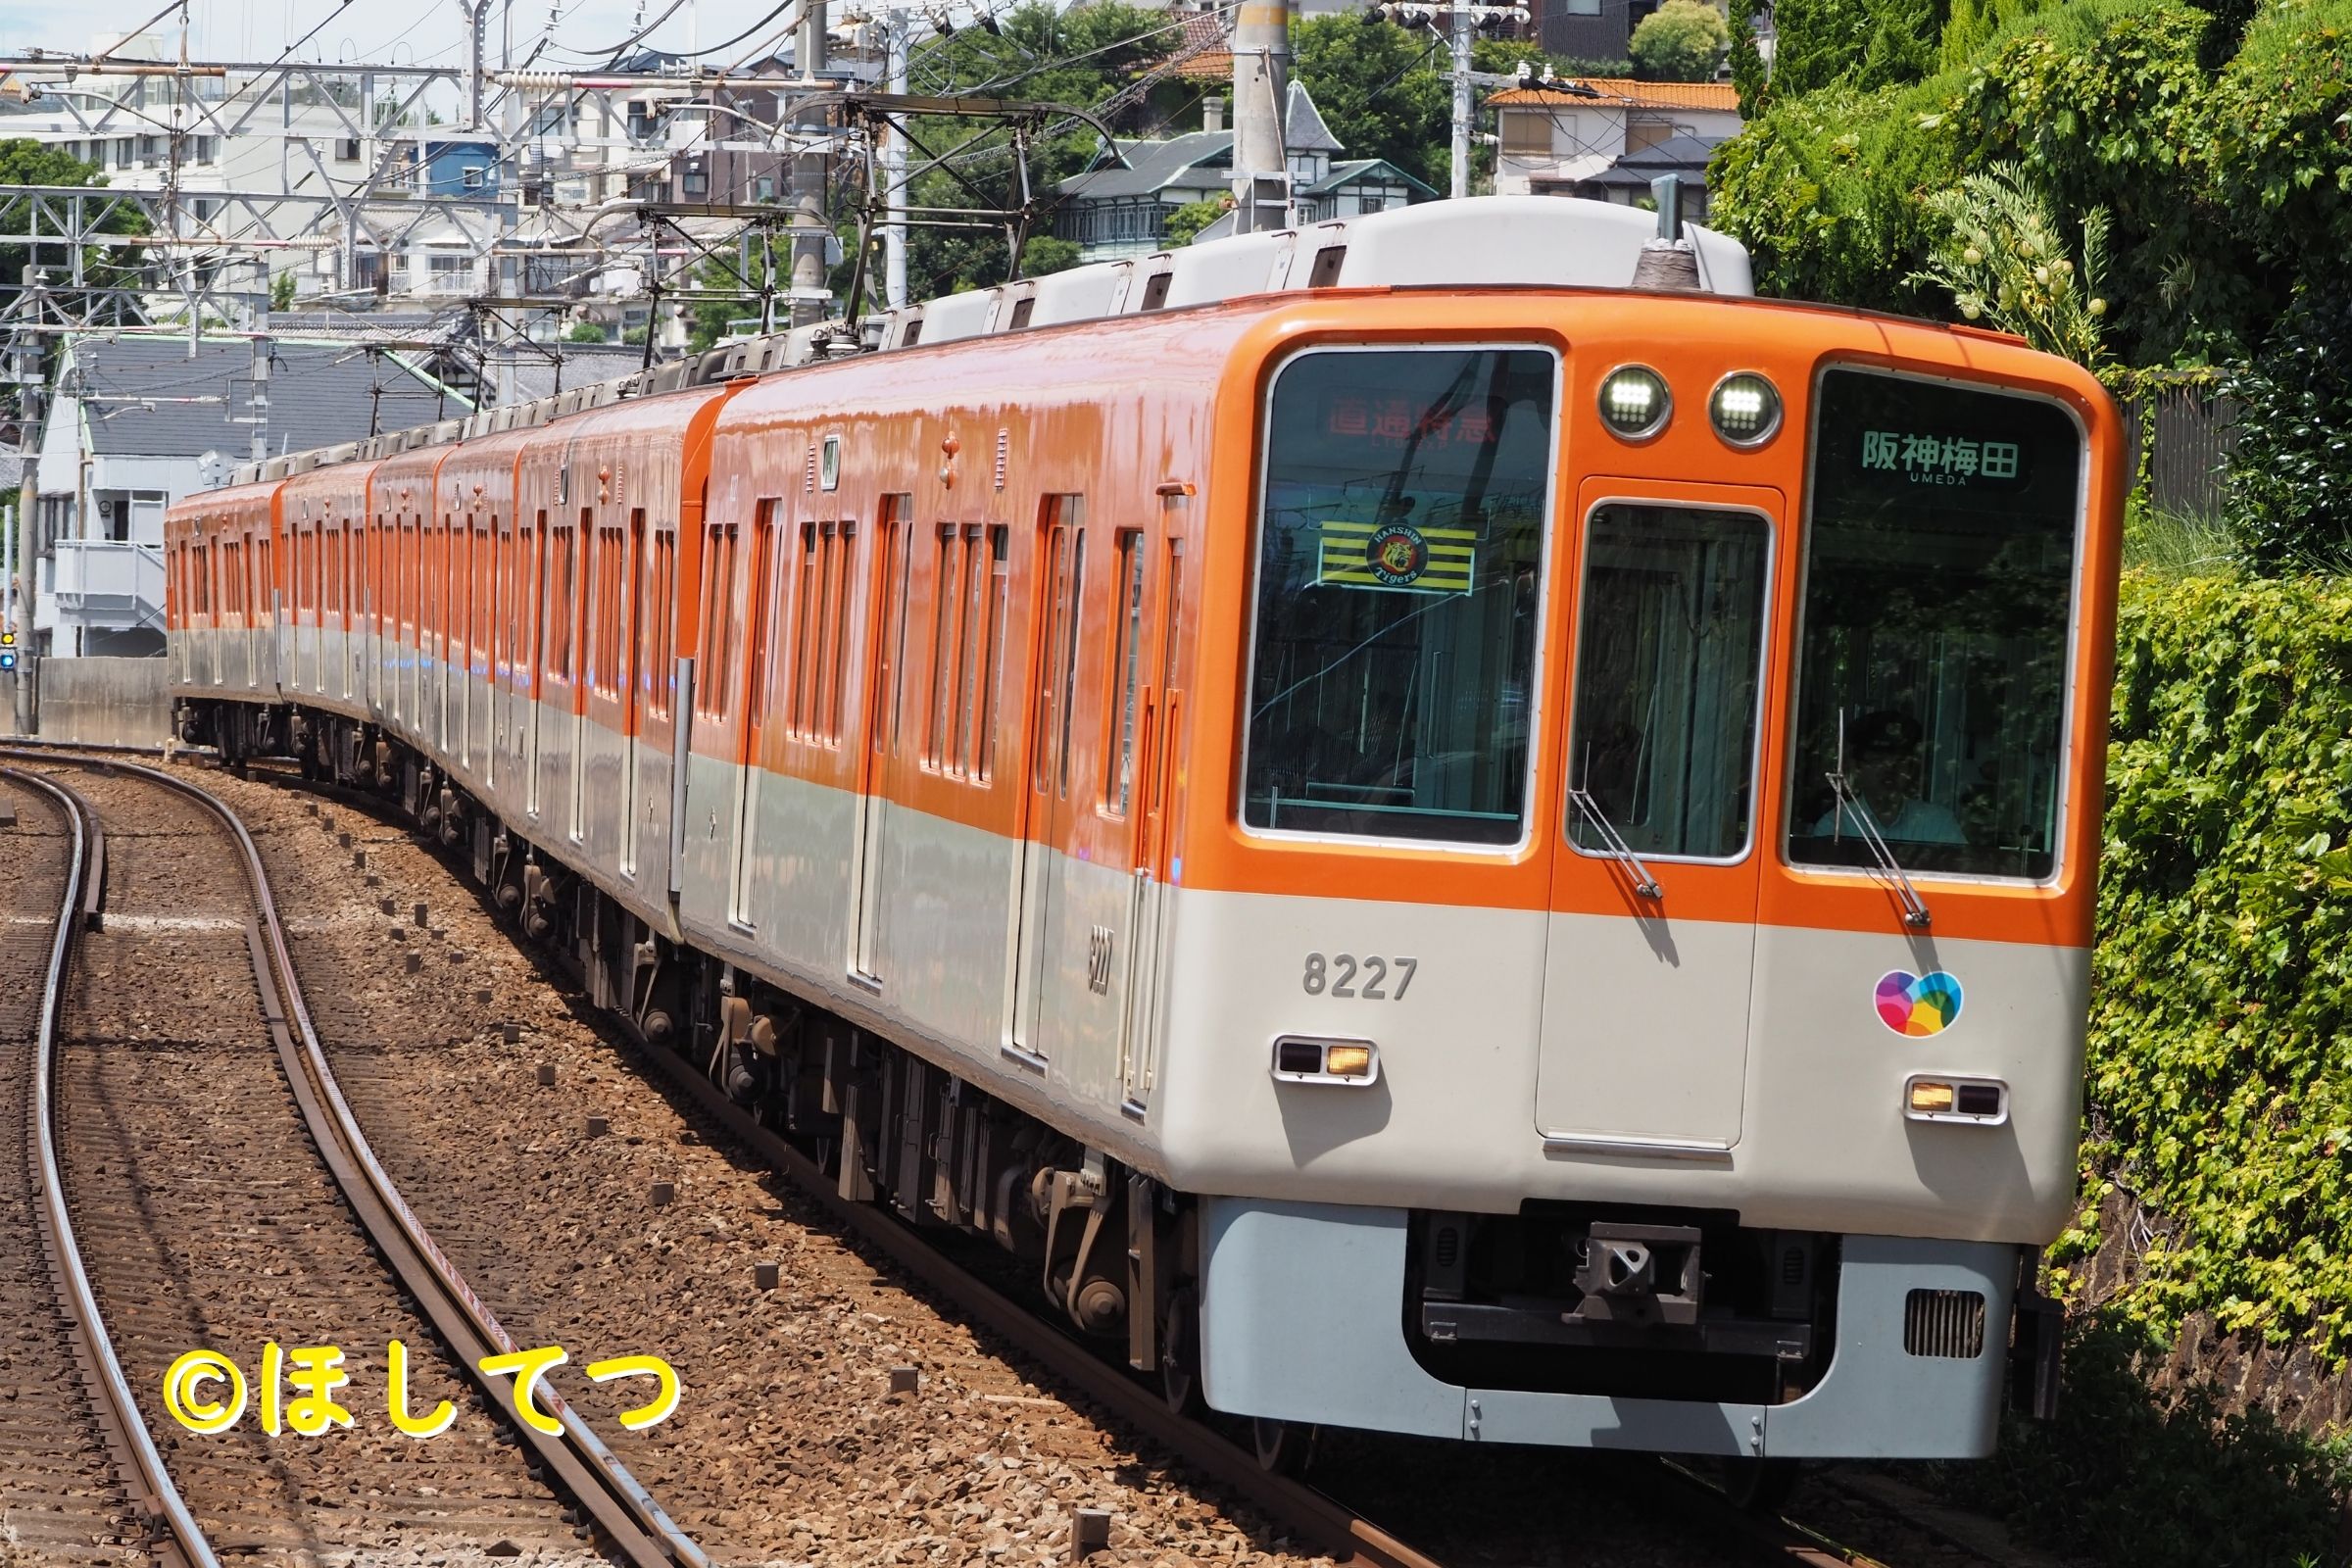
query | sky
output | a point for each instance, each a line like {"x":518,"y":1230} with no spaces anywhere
{"x":405,"y":32}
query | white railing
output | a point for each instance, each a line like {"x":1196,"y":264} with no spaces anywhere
{"x":114,"y":580}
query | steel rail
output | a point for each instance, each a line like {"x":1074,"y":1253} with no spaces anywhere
{"x":1351,"y":1537}
{"x":621,"y":1506}
{"x":175,"y":1538}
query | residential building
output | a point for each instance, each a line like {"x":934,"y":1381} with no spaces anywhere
{"x":1124,"y":211}
{"x":1627,"y":182}
{"x":142,"y":418}
{"x":1557,"y":135}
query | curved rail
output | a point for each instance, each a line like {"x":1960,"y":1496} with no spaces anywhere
{"x":1336,"y":1526}
{"x":578,"y":1459}
{"x":180,"y":1543}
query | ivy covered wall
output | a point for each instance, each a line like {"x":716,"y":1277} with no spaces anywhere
{"x":2220,"y":1082}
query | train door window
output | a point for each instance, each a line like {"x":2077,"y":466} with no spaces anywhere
{"x":1000,"y":590}
{"x":1401,"y":547}
{"x":1127,"y":630}
{"x":532,"y":566}
{"x":661,"y":625}
{"x":603,"y":648}
{"x":944,"y":583}
{"x":558,"y":603}
{"x":485,"y":567}
{"x":972,"y":650}
{"x":804,"y":633}
{"x":845,"y":539}
{"x":720,"y":625}
{"x":1057,"y":587}
{"x":764,"y":611}
{"x":1066,"y":698}
{"x":1669,"y":678}
{"x":1933,"y":665}
{"x":897,"y":572}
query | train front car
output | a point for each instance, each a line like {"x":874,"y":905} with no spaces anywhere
{"x":1628,"y":977}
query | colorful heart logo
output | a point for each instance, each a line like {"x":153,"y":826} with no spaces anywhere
{"x":1918,"y":1004}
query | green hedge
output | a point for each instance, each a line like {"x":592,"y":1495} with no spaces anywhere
{"x":2220,"y":1047}
{"x":2226,"y":187}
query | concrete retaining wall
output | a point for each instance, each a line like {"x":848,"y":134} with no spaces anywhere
{"x":119,"y":702}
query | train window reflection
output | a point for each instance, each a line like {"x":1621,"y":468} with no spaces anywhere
{"x":1399,"y":554}
{"x":1934,"y":658}
{"x":1669,"y":667}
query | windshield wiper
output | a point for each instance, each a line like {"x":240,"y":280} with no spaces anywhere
{"x":1614,"y":846}
{"x":1915,"y":907}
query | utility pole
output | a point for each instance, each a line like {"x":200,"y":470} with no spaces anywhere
{"x":1464,"y":24}
{"x":257,"y":402}
{"x":894,"y":166}
{"x":812,"y":163}
{"x":477,"y":28}
{"x":1464,"y":19}
{"x":1261,"y":73}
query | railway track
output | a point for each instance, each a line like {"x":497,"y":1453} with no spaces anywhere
{"x":79,"y":1474}
{"x":1317,"y":1519}
{"x":222,"y":1195}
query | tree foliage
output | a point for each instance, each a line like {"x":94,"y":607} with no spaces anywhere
{"x":2100,"y":102}
{"x":1750,"y":77}
{"x":2219,"y":1088}
{"x":1186,"y":223}
{"x":2290,"y":491}
{"x":2002,"y":255}
{"x":1081,"y":57}
{"x":1378,"y":89}
{"x":1680,"y":41}
{"x":1853,"y":43}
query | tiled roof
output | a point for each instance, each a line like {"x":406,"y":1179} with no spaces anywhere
{"x":1204,"y":46}
{"x":146,"y":396}
{"x":1720,"y":96}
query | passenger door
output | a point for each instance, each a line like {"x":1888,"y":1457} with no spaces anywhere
{"x":1046,"y":811}
{"x":1651,"y":935}
{"x":1155,"y":711}
{"x":885,"y":729}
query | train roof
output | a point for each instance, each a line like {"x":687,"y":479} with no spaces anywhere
{"x":1487,"y":241}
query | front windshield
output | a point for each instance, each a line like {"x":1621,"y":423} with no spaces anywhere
{"x":1940,"y":565}
{"x":1400,"y":548}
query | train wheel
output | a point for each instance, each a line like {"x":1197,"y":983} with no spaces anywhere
{"x":1284,"y":1447}
{"x":1759,"y":1486}
{"x":1180,"y":1354}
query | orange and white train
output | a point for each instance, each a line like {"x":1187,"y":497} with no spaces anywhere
{"x":1446,"y":844}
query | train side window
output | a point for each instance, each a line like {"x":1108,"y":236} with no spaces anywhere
{"x":1127,"y":617}
{"x":1669,"y":676}
{"x":999,"y":591}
